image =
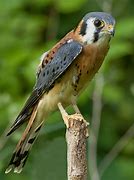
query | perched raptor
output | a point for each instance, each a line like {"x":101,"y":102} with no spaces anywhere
{"x":63,"y":73}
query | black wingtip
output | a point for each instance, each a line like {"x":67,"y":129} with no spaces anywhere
{"x":10,"y":131}
{"x":18,"y":122}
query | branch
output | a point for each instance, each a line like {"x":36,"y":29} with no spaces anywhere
{"x":76,"y":136}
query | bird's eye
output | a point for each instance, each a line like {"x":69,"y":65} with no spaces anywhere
{"x":98,"y":23}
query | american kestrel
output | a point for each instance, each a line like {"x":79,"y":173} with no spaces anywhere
{"x":63,"y":73}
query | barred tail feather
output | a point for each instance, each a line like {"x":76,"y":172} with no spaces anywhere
{"x":21,"y":152}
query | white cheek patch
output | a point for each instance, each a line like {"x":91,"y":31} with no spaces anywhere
{"x":88,"y":38}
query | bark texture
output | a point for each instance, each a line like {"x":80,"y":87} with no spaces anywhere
{"x":76,"y":136}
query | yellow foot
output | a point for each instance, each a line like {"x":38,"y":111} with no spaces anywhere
{"x":68,"y":118}
{"x":64,"y":114}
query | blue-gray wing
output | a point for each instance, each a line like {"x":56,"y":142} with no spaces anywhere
{"x":55,"y":68}
{"x":63,"y":58}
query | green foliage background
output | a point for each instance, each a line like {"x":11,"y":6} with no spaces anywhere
{"x":29,"y":28}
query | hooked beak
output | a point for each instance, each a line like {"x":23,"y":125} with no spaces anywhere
{"x":110,"y":29}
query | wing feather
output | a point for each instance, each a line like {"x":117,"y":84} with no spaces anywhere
{"x":63,"y":58}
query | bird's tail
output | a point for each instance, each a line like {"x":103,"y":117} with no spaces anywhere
{"x":23,"y":147}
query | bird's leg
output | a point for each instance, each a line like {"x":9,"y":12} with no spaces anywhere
{"x":69,"y":119}
{"x":64,"y":114}
{"x":75,"y":107}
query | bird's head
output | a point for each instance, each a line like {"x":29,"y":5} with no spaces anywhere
{"x":96,"y":27}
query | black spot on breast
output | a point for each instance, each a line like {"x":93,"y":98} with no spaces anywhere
{"x":83,"y":28}
{"x":79,"y":73}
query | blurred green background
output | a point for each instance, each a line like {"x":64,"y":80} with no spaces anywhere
{"x":27,"y":30}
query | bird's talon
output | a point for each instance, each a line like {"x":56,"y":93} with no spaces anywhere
{"x":66,"y":121}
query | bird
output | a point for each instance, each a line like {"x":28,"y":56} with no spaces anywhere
{"x":63,"y":73}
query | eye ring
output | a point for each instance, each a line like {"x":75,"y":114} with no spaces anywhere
{"x":99,"y":23}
